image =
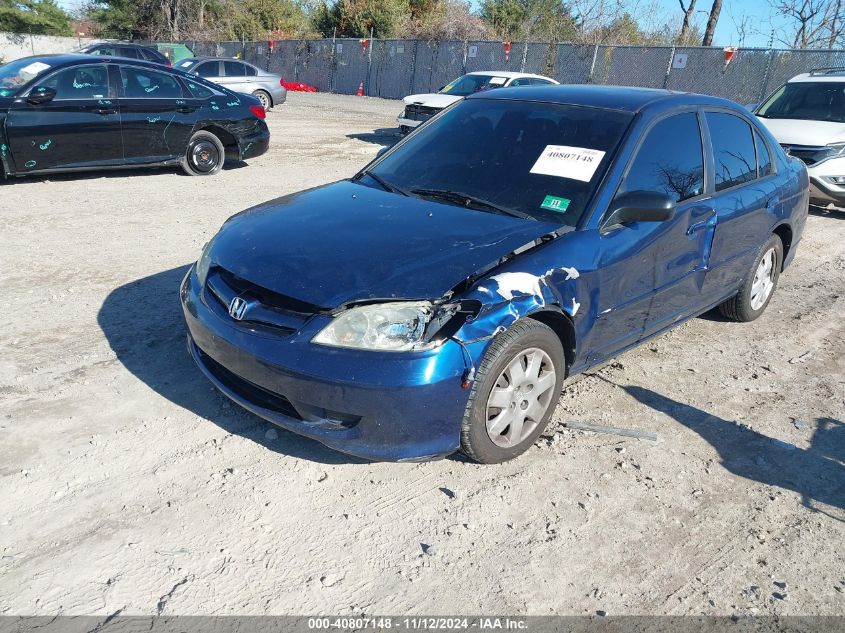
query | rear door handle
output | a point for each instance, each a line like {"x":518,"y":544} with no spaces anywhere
{"x":185,"y":109}
{"x":105,"y":111}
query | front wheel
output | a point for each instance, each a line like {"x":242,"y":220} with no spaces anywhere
{"x":514,"y":394}
{"x":759,"y":284}
{"x":264,"y":98}
{"x":205,"y":155}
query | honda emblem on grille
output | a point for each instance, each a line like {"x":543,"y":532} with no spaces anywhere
{"x":237,"y":308}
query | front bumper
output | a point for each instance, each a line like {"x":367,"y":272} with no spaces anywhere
{"x":825,"y":192}
{"x":379,"y":406}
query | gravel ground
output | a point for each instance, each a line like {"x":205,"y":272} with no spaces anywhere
{"x":128,"y":484}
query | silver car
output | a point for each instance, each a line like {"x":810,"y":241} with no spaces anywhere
{"x":238,"y":76}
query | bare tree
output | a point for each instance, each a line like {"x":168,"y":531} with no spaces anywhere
{"x":689,"y":11}
{"x":811,"y":23}
{"x":715,"y":10}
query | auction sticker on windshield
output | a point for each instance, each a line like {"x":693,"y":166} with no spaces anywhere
{"x":577,"y":163}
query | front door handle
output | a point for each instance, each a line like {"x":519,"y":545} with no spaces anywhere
{"x":185,"y":109}
{"x":105,"y":111}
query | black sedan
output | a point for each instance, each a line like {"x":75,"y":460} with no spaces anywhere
{"x":78,"y":112}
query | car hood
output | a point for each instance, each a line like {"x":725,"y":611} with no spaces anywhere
{"x":346,"y":242}
{"x":432,"y":100}
{"x":805,"y":131}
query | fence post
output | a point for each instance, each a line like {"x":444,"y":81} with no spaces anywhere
{"x":593,"y":65}
{"x":433,"y":64}
{"x":413,"y":67}
{"x":669,"y":68}
{"x":466,"y":52}
{"x":524,"y":56}
{"x":766,"y":76}
{"x":333,"y":61}
{"x":369,"y":62}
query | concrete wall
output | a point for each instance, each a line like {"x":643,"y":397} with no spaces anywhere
{"x":16,"y":45}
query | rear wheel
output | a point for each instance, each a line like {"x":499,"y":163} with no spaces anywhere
{"x":205,"y":155}
{"x":514,"y":393}
{"x":759,"y":284}
{"x":264,"y":98}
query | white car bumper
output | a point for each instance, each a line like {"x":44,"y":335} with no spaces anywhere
{"x":824,"y":189}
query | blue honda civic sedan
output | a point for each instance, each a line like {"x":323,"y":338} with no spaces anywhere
{"x":437,"y":300}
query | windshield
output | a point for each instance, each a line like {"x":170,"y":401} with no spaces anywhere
{"x":17,"y":73}
{"x":539,"y":160}
{"x":468,"y":84}
{"x":816,"y":101}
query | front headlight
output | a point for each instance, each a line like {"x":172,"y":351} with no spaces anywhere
{"x":834,"y":150}
{"x":204,"y":262}
{"x":389,"y":327}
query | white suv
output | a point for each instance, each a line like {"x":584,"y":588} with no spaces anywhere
{"x":807,"y":117}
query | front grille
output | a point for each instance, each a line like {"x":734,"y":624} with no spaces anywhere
{"x":268,"y":310}
{"x":247,"y":390}
{"x":808,"y":154}
{"x":417,"y":112}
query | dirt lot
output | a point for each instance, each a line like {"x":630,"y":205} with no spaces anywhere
{"x":128,"y":484}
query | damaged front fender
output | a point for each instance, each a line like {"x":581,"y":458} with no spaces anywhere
{"x":509,"y":296}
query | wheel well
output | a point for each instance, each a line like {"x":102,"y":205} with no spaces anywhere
{"x":563,"y":327}
{"x":230,"y":143}
{"x":785,"y":234}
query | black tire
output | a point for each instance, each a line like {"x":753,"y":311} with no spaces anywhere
{"x":527,"y":334}
{"x":264,"y":97}
{"x":204,"y":156}
{"x":741,"y":307}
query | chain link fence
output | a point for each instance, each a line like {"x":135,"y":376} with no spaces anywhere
{"x":395,"y":68}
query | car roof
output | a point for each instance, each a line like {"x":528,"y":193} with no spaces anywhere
{"x":213,"y":59}
{"x":821,"y":74}
{"x":61,"y":60}
{"x":125,"y":44}
{"x":622,"y":98}
{"x":506,"y":73}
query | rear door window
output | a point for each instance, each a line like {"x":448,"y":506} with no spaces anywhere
{"x":234,"y":69}
{"x":250,"y":70}
{"x":198,"y":91}
{"x":675,"y":168}
{"x":126,"y":51}
{"x":734,"y":155}
{"x":141,"y":83}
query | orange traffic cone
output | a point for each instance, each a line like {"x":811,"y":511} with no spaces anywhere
{"x":360,"y":92}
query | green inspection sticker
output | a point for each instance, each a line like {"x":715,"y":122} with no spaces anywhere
{"x":553,"y":203}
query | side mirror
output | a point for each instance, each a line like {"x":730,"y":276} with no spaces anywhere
{"x":640,"y":206}
{"x":41,"y":95}
{"x":751,"y":106}
{"x":382,"y":151}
